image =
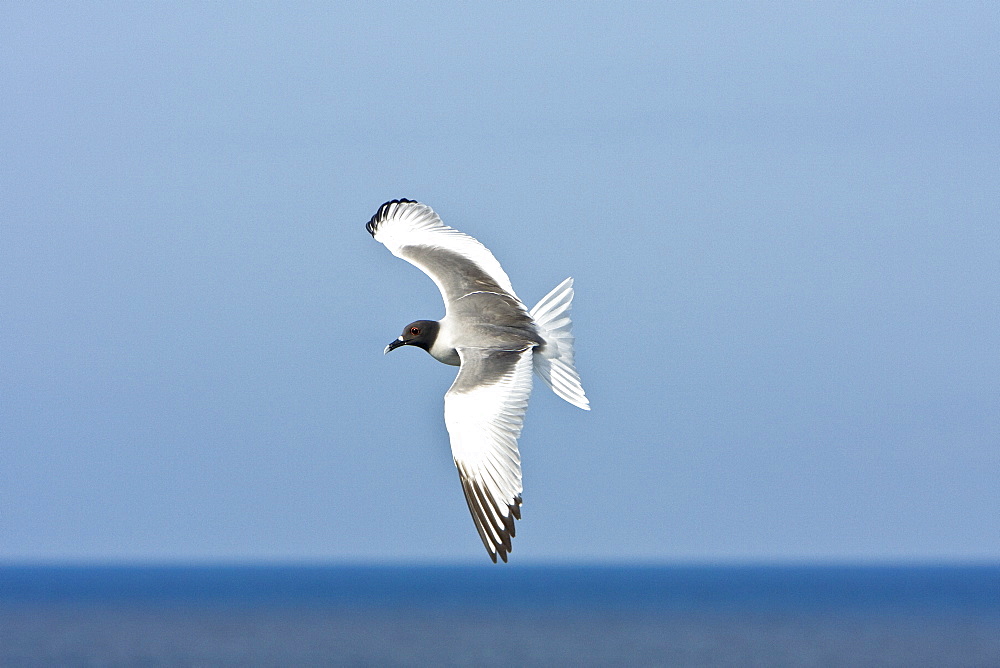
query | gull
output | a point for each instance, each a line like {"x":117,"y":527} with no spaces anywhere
{"x":497,"y":343}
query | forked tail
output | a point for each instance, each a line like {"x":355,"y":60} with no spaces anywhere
{"x":553,"y":362}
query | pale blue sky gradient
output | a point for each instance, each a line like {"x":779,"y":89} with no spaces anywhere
{"x":783,"y":220}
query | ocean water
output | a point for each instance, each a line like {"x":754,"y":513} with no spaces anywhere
{"x":492,"y":615}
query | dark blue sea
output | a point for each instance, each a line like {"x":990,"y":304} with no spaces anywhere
{"x":499,"y":615}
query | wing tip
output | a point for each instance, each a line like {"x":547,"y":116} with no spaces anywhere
{"x":505,"y":547}
{"x":496,"y":539}
{"x":513,"y":513}
{"x":384,"y":212}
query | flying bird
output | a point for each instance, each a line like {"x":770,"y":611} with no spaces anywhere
{"x":497,"y":343}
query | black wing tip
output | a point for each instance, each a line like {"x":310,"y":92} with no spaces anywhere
{"x":383,"y":213}
{"x":508,"y":532}
{"x":477,"y":502}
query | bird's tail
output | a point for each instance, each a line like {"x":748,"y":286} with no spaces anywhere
{"x":553,"y":361}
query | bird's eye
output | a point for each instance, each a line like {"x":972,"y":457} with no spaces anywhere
{"x":415,"y":331}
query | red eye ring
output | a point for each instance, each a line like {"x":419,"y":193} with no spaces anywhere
{"x":415,"y":331}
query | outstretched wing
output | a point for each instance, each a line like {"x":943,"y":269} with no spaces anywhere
{"x":484,"y":411}
{"x":456,"y":262}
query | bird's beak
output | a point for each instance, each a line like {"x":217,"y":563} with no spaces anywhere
{"x":395,"y":344}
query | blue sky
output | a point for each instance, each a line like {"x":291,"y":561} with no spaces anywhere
{"x":782,"y":219}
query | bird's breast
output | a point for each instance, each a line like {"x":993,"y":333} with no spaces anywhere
{"x":444,"y":348}
{"x":446,"y":355}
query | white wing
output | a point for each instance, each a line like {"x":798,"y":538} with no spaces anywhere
{"x":484,"y":410}
{"x":456,"y":262}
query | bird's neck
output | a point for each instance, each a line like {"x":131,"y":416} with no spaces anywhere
{"x":443,"y":348}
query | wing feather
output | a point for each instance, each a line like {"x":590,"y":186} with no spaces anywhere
{"x":457,"y":263}
{"x":484,"y":420}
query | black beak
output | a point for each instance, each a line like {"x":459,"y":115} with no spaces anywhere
{"x":392,"y":346}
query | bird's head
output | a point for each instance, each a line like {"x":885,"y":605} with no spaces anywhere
{"x":421,"y":334}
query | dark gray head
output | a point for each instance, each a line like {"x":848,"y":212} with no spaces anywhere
{"x":421,"y":334}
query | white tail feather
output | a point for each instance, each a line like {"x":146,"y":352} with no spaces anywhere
{"x":553,"y":362}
